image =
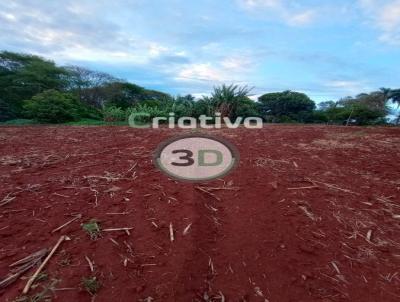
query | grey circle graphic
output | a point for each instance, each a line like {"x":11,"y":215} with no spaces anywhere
{"x":196,"y":157}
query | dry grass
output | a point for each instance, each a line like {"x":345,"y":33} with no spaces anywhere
{"x":91,"y":285}
{"x":278,"y":165}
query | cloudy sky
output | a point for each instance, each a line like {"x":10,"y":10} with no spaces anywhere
{"x":326,"y":48}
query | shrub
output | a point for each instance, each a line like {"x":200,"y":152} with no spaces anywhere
{"x":286,"y":106}
{"x":247,"y":108}
{"x":7,"y":111}
{"x":145,"y":113}
{"x":53,"y":106}
{"x":359,"y":112}
{"x":91,"y":284}
{"x":19,"y":122}
{"x":114,"y":114}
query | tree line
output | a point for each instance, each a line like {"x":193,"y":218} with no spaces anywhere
{"x":34,"y":88}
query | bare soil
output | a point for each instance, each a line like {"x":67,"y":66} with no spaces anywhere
{"x":312,"y":213}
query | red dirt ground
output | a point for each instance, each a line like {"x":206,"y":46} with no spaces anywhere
{"x":312,"y":213}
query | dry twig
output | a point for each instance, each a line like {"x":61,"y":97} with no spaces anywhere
{"x":79,"y":216}
{"x":90,"y":264}
{"x":33,"y":277}
{"x":171,"y":232}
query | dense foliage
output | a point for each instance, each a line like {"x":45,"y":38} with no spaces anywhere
{"x":286,"y":106}
{"x":22,"y":77}
{"x":52,"y":106}
{"x":36,"y":89}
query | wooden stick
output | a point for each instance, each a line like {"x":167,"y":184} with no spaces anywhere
{"x":116,"y":229}
{"x":32,"y":279}
{"x":369,"y":234}
{"x":113,"y":241}
{"x":34,"y":256}
{"x":334,"y":187}
{"x":9,"y":279}
{"x":171,"y":232}
{"x":186,"y":230}
{"x":6,"y":200}
{"x":90,"y":264}
{"x":67,"y":223}
{"x":303,"y":188}
{"x":65,"y":196}
{"x":122,"y":213}
{"x":209,"y":193}
{"x":208,"y":189}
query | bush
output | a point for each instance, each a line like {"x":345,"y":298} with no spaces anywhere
{"x":53,"y":106}
{"x":145,"y":113}
{"x":7,"y":111}
{"x":247,"y":108}
{"x":19,"y":122}
{"x":319,"y":116}
{"x":287,"y":106}
{"x":114,"y":114}
{"x":364,"y":115}
{"x":360,"y":113}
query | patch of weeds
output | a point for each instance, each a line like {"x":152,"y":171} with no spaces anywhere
{"x":92,"y":228}
{"x":65,"y":259}
{"x":91,"y":285}
{"x":43,"y":296}
{"x":19,"y":122}
{"x":41,"y":277}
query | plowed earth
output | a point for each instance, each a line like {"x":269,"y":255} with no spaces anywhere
{"x":312,"y":213}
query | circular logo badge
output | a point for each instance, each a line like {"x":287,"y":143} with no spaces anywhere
{"x":196,"y":157}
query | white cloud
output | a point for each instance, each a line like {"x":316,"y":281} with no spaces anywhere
{"x":228,"y":70}
{"x":302,"y":18}
{"x":261,"y":3}
{"x":8,"y":16}
{"x":200,"y":72}
{"x":236,"y":63}
{"x":385,"y":15}
{"x":76,"y":34}
{"x":390,"y":16}
{"x":156,"y":49}
{"x":347,"y":87}
{"x":281,"y":9}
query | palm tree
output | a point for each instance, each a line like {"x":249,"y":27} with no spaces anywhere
{"x":386,"y":92}
{"x":227,"y":99}
{"x":394,"y":96}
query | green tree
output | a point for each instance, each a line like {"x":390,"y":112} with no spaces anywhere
{"x":394,"y":96}
{"x":358,"y":112}
{"x":247,"y":108}
{"x":286,"y":106}
{"x":22,"y":76}
{"x":227,"y":99}
{"x":114,"y":114}
{"x":7,"y":111}
{"x":89,"y":86}
{"x":122,"y":94}
{"x":185,"y":105}
{"x":52,"y":106}
{"x":204,"y":106}
{"x":326,"y":105}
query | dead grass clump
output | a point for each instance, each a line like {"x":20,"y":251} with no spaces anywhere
{"x":333,"y":144}
{"x":275,"y":164}
{"x":91,"y":285}
{"x":45,"y":295}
